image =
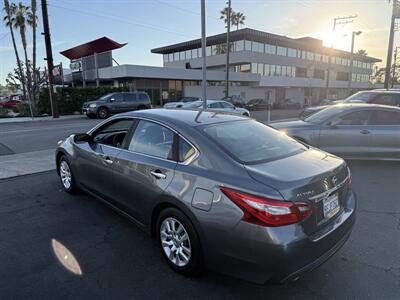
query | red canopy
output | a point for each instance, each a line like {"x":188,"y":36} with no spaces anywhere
{"x":97,"y":46}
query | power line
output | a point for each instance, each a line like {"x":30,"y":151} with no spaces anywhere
{"x":118,"y":19}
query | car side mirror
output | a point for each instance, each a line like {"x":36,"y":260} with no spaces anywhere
{"x":112,"y":99}
{"x":332,"y":124}
{"x":82,"y":138}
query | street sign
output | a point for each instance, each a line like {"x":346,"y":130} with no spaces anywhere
{"x":76,"y":66}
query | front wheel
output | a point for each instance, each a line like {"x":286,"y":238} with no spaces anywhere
{"x":102,"y":113}
{"x":67,"y":180}
{"x":179,"y":242}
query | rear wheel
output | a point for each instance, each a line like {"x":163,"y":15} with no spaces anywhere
{"x":179,"y":242}
{"x":102,"y":112}
{"x":66,"y":177}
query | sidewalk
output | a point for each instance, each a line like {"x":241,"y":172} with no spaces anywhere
{"x":26,"y":163}
{"x":38,"y":119}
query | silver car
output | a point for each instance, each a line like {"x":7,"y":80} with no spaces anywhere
{"x":219,"y":191}
{"x":218,"y":106}
{"x":353,"y":131}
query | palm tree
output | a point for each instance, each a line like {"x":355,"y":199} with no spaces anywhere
{"x":238,"y":19}
{"x":224,"y":15}
{"x":362,"y":52}
{"x":220,"y":48}
{"x":20,"y":21}
{"x":9,"y":21}
{"x":32,"y":21}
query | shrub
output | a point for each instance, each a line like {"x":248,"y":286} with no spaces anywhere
{"x":3,"y":112}
{"x":71,"y":99}
{"x":22,"y":110}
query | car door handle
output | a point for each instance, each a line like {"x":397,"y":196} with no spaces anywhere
{"x":108,"y":160}
{"x":364,"y":131}
{"x":158,"y":174}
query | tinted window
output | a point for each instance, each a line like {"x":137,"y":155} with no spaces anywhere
{"x":227,"y":105}
{"x":143,"y":97}
{"x":130,"y":97}
{"x":118,"y":97}
{"x":113,"y":133}
{"x":152,"y":139}
{"x":385,"y":118}
{"x":251,"y":141}
{"x":185,"y":150}
{"x":387,"y":99}
{"x":215,"y":105}
{"x":354,"y":118}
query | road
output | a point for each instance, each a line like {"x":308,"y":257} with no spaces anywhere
{"x":34,"y":136}
{"x":43,"y":229}
{"x":39,"y":135}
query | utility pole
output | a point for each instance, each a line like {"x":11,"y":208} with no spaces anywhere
{"x":203,"y":53}
{"x":336,"y":21}
{"x":49,"y":58}
{"x":390,"y":46}
{"x":228,"y":29}
{"x":353,"y":36}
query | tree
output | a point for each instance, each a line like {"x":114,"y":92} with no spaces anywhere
{"x":238,"y":19}
{"x":32,"y":22}
{"x":362,"y":52}
{"x":9,"y":21}
{"x":14,"y":79}
{"x":378,"y":76}
{"x":220,"y":48}
{"x":224,"y":15}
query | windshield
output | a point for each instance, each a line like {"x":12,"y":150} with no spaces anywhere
{"x":251,"y":142}
{"x":361,"y":96}
{"x":324,"y":115}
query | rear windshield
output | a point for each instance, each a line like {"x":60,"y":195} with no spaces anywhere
{"x":251,"y":142}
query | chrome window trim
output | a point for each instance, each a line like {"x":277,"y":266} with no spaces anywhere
{"x":189,"y":160}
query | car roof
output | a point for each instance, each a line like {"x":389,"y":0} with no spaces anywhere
{"x":382,"y":91}
{"x":184,"y":117}
{"x":364,"y":106}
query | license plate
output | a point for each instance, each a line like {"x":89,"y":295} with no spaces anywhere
{"x":331,"y":205}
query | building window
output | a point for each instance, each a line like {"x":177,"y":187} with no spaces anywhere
{"x":247,"y":45}
{"x":208,"y":51}
{"x":254,"y":68}
{"x":176,"y":56}
{"x":270,"y":49}
{"x":319,"y":74}
{"x":304,"y":54}
{"x":194,"y":53}
{"x":278,"y":71}
{"x":246,"y":68}
{"x":260,"y":69}
{"x":165,"y":58}
{"x":257,"y":47}
{"x":301,"y":72}
{"x":282,"y":51}
{"x":188,"y":54}
{"x":182,"y":55}
{"x":318,"y":57}
{"x":239,"y":46}
{"x":310,"y":56}
{"x":292,"y":52}
{"x":273,"y":70}
{"x":342,"y":76}
{"x":267,"y":69}
{"x":170,"y":57}
{"x":325,"y":58}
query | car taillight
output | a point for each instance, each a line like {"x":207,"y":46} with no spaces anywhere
{"x":268,"y":212}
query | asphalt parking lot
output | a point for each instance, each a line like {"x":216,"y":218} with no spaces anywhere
{"x":57,"y":246}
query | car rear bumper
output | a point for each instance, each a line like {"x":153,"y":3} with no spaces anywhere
{"x":280,"y":254}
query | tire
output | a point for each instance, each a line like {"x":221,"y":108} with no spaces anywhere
{"x":66,"y":176}
{"x":168,"y":239}
{"x":102,"y":113}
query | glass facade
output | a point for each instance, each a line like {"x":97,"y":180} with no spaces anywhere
{"x":246,"y":45}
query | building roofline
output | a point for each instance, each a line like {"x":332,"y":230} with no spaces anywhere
{"x":303,"y":43}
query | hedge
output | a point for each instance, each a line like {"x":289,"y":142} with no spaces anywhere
{"x":71,"y":99}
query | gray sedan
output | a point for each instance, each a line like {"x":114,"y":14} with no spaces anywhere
{"x":218,"y":106}
{"x":354,"y":131}
{"x":216,"y":190}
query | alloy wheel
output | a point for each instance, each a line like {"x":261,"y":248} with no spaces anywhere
{"x":175,"y":242}
{"x":65,"y":174}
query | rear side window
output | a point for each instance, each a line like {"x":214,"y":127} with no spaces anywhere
{"x":385,"y":118}
{"x":386,"y":99}
{"x":152,"y":139}
{"x":186,"y":150}
{"x":354,"y":118}
{"x":130,"y":97}
{"x":143,"y":97}
{"x":252,"y":142}
{"x":215,"y":105}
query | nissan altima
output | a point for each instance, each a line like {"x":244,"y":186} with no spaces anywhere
{"x":216,"y":190}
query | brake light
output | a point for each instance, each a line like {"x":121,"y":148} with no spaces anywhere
{"x":268,"y":212}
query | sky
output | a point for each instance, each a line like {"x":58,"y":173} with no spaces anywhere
{"x":147,"y":24}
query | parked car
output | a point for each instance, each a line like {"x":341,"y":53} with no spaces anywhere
{"x":10,"y":103}
{"x":236,"y":100}
{"x":116,"y":103}
{"x":219,"y":191}
{"x":257,"y":104}
{"x":353,"y":131}
{"x":384,"y":97}
{"x":287,"y":104}
{"x":180,"y":102}
{"x":218,"y":106}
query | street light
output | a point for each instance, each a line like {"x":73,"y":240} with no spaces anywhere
{"x":355,"y":33}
